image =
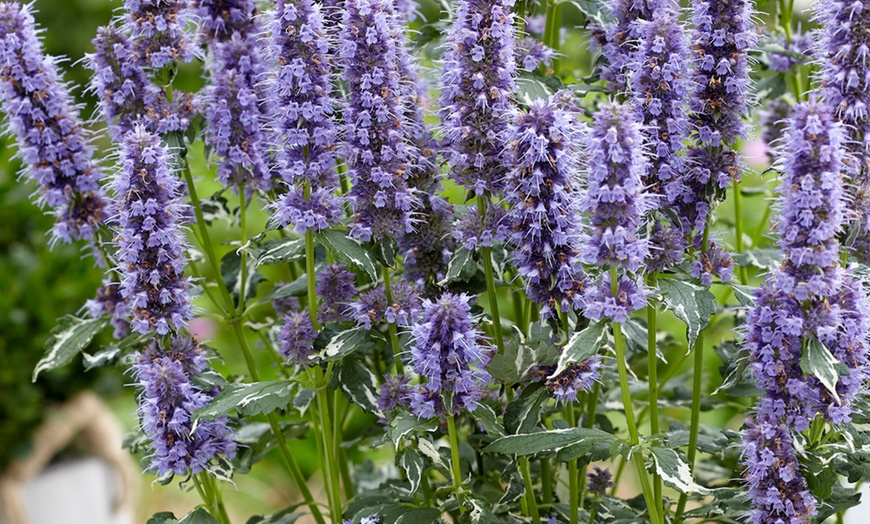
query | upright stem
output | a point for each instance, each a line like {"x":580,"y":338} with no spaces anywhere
{"x":526,"y":471}
{"x":553,"y":26}
{"x":738,"y":221}
{"x":591,"y":408}
{"x":330,"y":465}
{"x":486,"y":254}
{"x":454,"y":455}
{"x":652,"y":379}
{"x":573,"y":488}
{"x":394,"y":336}
{"x":634,"y":439}
{"x":309,"y":269}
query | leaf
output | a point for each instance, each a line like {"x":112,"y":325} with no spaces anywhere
{"x":164,"y":517}
{"x":552,"y":440}
{"x":358,"y":384}
{"x":531,"y":88}
{"x":841,"y":499}
{"x":413,"y":464}
{"x":767,"y":259}
{"x":461,"y":267}
{"x":303,"y":399}
{"x":404,"y":423}
{"x":692,"y":304}
{"x":674,"y":471}
{"x":285,"y":516}
{"x":817,"y":361}
{"x":220,"y":468}
{"x":69,"y":337}
{"x":385,"y":250}
{"x":111,"y":353}
{"x":348,"y":250}
{"x":582,"y":345}
{"x":488,"y":420}
{"x":597,"y":446}
{"x":198,"y":516}
{"x":231,"y":270}
{"x":343,"y":344}
{"x":248,"y":399}
{"x":281,"y":251}
{"x":744,"y":294}
{"x":510,"y":367}
{"x":478,"y":512}
{"x":521,"y":415}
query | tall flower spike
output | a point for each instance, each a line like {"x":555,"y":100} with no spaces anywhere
{"x":157,"y":31}
{"x":377,"y":149}
{"x":168,"y":399}
{"x":336,"y":288}
{"x":446,"y":351}
{"x":543,"y":213}
{"x":151,"y":241}
{"x":303,"y":119}
{"x":477,"y":84}
{"x":235,"y":103}
{"x":45,"y":122}
{"x":616,"y":203}
{"x":127,"y":96}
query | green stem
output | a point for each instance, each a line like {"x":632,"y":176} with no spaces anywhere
{"x":486,"y":254}
{"x":454,"y":455}
{"x":652,"y":379}
{"x":591,"y":408}
{"x":309,"y":269}
{"x":634,"y":439}
{"x":573,"y":488}
{"x":546,"y":482}
{"x":330,"y":466}
{"x":244,"y":256}
{"x":532,"y":504}
{"x":552,"y":27}
{"x":394,"y":336}
{"x":738,"y":221}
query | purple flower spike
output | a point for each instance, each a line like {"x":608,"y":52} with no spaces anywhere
{"x":378,"y":151}
{"x":297,"y":338}
{"x":109,"y":301}
{"x":602,"y":303}
{"x":600,"y":480}
{"x":336,"y":288}
{"x":235,"y":103}
{"x":45,"y":122}
{"x":472,"y":232}
{"x":372,"y":307}
{"x":168,"y":399}
{"x":395,"y":392}
{"x":577,"y":379}
{"x":543,"y":213}
{"x":446,"y":351}
{"x":157,"y":31}
{"x":532,"y":53}
{"x":127,"y":96}
{"x":151,"y":242}
{"x":304,"y":127}
{"x":477,"y":85}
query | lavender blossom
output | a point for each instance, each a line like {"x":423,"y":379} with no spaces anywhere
{"x":167,"y":400}
{"x":45,"y":122}
{"x":446,"y":351}
{"x":288,"y":304}
{"x":578,"y":378}
{"x":304,"y":127}
{"x":773,"y":122}
{"x":601,"y":302}
{"x":296,"y":338}
{"x":666,"y":247}
{"x":472,"y":232}
{"x":127,"y":96}
{"x":109,"y":301}
{"x":157,"y":31}
{"x":660,"y":89}
{"x":378,"y":151}
{"x":544,"y":219}
{"x":335,"y":287}
{"x":714,"y":261}
{"x":373,"y":306}
{"x":600,"y":480}
{"x":150,"y":238}
{"x":394,"y":393}
{"x":476,"y":88}
{"x":532,"y":53}
{"x":235,"y":103}
{"x":801,"y":44}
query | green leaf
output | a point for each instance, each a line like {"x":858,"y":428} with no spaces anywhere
{"x":404,"y":423}
{"x":231,"y":270}
{"x":487,"y":418}
{"x":164,"y":517}
{"x":281,"y":251}
{"x":413,"y":464}
{"x":68,"y":338}
{"x":385,"y":250}
{"x":841,"y":499}
{"x":692,"y":304}
{"x":767,"y":259}
{"x":344,"y":343}
{"x":820,"y":477}
{"x":582,"y":345}
{"x":286,"y":516}
{"x":510,"y":366}
{"x":248,"y":399}
{"x":521,"y":415}
{"x":358,"y":384}
{"x":111,"y":353}
{"x":198,"y":516}
{"x":817,"y":361}
{"x":553,"y":440}
{"x":461,"y":267}
{"x":477,"y":512}
{"x":744,"y":294}
{"x":531,"y":88}
{"x":347,"y":250}
{"x":596,"y":446}
{"x":673,"y":470}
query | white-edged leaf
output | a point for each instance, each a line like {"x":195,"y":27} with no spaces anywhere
{"x":582,"y":345}
{"x":68,"y":338}
{"x":691,"y":303}
{"x":413,"y":464}
{"x":522,"y":415}
{"x":404,"y":423}
{"x":461,"y":267}
{"x":553,"y":440}
{"x":488,"y":420}
{"x":343,"y":343}
{"x":817,"y":361}
{"x":348,"y":250}
{"x":674,"y":471}
{"x":248,"y":399}
{"x":358,"y":383}
{"x":281,"y":251}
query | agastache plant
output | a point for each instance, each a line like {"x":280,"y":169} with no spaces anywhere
{"x":157,"y":31}
{"x":52,"y":142}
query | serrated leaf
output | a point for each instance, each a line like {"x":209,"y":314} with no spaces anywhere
{"x":303,"y":399}
{"x":841,"y":499}
{"x":358,"y":384}
{"x":348,"y":250}
{"x":817,"y":361}
{"x":477,"y":512}
{"x":286,"y":516}
{"x":69,"y":337}
{"x":413,"y":464}
{"x":521,"y":415}
{"x":461,"y":267}
{"x":248,"y":399}
{"x":164,"y":517}
{"x":553,"y":440}
{"x":596,"y":446}
{"x":281,"y":251}
{"x":744,"y":294}
{"x":488,"y":420}
{"x":231,"y":270}
{"x":343,"y":344}
{"x":531,"y":88}
{"x":404,"y":423}
{"x":692,"y":304}
{"x":509,"y":367}
{"x":674,"y":471}
{"x":198,"y":516}
{"x":582,"y":345}
{"x":111,"y":353}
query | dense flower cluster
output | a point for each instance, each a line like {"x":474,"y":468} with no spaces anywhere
{"x":545,"y":224}
{"x":476,"y":89}
{"x":811,"y":301}
{"x":377,"y":148}
{"x":336,"y":288}
{"x":666,"y":247}
{"x":150,"y":238}
{"x":157,"y":31}
{"x":168,"y":398}
{"x":303,"y":119}
{"x":618,"y":40}
{"x":296,"y":338}
{"x":395,"y":392}
{"x":234,"y":104}
{"x":373,"y":306}
{"x":45,"y":122}
{"x":109,"y":301}
{"x":773,"y":122}
{"x":578,"y":378}
{"x":470,"y":231}
{"x":285,"y":304}
{"x":714,"y":261}
{"x":127,"y":96}
{"x":600,"y":480}
{"x":531,"y":53}
{"x":446,"y":352}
